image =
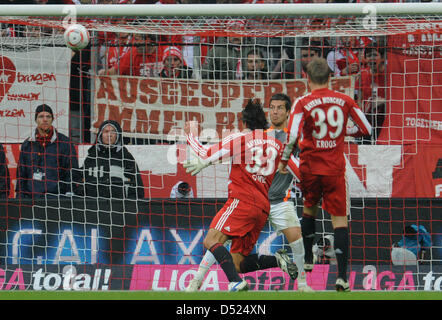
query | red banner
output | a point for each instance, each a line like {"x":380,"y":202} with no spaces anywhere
{"x":154,"y":108}
{"x":414,"y":112}
{"x":421,"y":173}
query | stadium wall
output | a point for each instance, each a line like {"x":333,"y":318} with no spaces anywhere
{"x":73,"y":244}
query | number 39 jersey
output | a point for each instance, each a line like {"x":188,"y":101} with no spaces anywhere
{"x":254,"y":158}
{"x":318,"y":121}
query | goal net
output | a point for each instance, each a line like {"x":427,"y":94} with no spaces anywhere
{"x":75,"y":216}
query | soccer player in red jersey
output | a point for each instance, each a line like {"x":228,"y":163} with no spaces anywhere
{"x":254,"y":158}
{"x":318,"y":123}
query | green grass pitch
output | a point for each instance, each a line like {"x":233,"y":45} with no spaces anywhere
{"x":250,"y":295}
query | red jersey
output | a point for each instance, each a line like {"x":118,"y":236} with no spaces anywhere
{"x":339,"y":60}
{"x":372,"y":86}
{"x":254,"y":158}
{"x":318,"y":122}
{"x":136,"y":64}
{"x":114,"y":54}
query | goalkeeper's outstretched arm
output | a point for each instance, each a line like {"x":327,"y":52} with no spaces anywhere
{"x":203,"y":156}
{"x":198,"y":156}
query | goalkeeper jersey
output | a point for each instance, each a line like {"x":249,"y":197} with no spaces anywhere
{"x":282,"y":183}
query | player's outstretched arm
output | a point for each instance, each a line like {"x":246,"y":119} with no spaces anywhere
{"x":195,"y":165}
{"x":203,"y":156}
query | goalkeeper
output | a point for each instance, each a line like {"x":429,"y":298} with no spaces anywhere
{"x":254,"y":156}
{"x":283,"y":216}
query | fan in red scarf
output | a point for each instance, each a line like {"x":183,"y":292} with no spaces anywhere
{"x":174,"y":66}
{"x":143,"y":59}
{"x":117,"y":49}
{"x":372,"y":79}
{"x":346,"y":58}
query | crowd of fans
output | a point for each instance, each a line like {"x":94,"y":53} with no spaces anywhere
{"x":258,"y":59}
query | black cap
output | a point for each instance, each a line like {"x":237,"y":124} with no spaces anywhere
{"x":41,"y":108}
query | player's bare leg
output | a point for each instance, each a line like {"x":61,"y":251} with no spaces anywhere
{"x":340,"y":227}
{"x":238,"y":258}
{"x":308,"y":227}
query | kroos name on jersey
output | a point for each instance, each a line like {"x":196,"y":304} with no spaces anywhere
{"x":325,"y":144}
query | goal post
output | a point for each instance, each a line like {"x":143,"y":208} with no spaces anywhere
{"x":231,"y":10}
{"x":387,"y":56}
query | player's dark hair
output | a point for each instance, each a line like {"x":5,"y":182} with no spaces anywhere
{"x":318,"y":71}
{"x":282,"y":97}
{"x":253,"y":115}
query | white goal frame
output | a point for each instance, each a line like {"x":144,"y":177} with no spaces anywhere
{"x":357,"y":9}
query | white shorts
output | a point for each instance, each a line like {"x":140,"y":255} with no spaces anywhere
{"x":283,"y":215}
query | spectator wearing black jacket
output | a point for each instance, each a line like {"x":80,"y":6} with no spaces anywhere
{"x":46,"y":160}
{"x":4,"y":174}
{"x":109,"y":170}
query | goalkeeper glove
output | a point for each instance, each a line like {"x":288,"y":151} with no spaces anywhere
{"x":195,"y":166}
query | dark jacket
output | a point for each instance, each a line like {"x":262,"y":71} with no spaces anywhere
{"x":222,"y":60}
{"x":4,"y":175}
{"x":46,"y":169}
{"x":111,"y":172}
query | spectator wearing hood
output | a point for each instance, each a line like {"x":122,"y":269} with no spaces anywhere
{"x":109,"y":170}
{"x":174,"y":65}
{"x":46,"y":161}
